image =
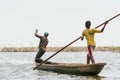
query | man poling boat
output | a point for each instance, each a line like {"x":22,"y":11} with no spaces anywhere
{"x":88,"y":33}
{"x":58,"y":66}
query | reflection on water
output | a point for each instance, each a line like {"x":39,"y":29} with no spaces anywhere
{"x":19,"y":66}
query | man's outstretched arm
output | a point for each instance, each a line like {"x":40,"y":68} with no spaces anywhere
{"x":104,"y":27}
{"x":36,"y":34}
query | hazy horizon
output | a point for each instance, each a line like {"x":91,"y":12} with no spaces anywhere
{"x":63,"y":19}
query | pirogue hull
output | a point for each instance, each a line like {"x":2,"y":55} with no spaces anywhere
{"x":73,"y":68}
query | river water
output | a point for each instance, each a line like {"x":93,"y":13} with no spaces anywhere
{"x":19,"y":66}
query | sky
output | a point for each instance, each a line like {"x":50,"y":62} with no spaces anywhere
{"x":63,"y":19}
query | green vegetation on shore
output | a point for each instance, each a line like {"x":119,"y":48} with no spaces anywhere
{"x":54,"y":49}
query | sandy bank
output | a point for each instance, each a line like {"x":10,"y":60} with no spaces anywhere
{"x":54,"y":49}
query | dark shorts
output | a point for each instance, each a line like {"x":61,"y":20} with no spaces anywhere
{"x":39,"y":55}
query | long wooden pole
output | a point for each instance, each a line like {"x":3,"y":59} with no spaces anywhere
{"x":56,"y":52}
{"x":107,"y":21}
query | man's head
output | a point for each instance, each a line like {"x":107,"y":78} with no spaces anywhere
{"x":46,"y":34}
{"x":88,"y":24}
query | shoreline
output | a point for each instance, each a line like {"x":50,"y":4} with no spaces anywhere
{"x":55,"y":49}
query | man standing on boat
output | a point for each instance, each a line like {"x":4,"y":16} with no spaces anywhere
{"x":88,"y":33}
{"x":42,"y":46}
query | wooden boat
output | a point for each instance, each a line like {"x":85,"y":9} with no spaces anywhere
{"x":73,"y":68}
